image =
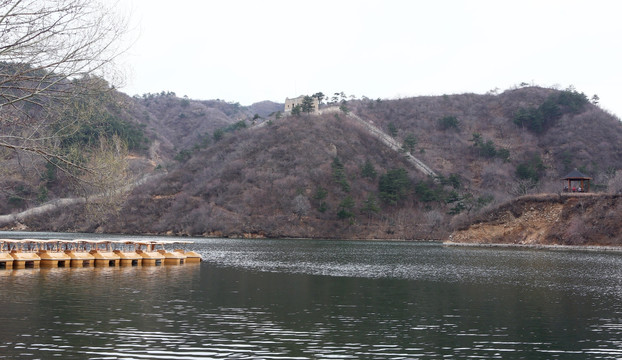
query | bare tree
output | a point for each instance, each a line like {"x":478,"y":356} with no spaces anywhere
{"x":52,"y":52}
{"x":301,"y":206}
{"x":614,"y":185}
{"x":434,"y":220}
{"x":521,"y":187}
{"x":106,"y":187}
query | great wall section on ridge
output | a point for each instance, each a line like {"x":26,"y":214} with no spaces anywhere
{"x":385,"y":139}
{"x":15,"y":218}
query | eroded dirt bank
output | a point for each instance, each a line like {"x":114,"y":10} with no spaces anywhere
{"x":551,"y":219}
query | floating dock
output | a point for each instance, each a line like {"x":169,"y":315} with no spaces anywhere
{"x":35,"y":253}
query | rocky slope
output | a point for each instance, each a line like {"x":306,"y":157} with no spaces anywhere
{"x":555,"y":219}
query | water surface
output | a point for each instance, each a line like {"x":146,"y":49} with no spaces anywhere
{"x":310,"y":299}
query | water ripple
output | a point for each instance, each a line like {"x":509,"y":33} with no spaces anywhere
{"x":271,"y":299}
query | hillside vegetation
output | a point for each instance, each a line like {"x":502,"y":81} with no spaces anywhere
{"x":155,"y":128}
{"x":226,"y":170}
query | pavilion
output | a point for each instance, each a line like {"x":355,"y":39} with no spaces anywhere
{"x":575,"y":175}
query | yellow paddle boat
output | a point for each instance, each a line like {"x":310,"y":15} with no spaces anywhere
{"x":51,"y":254}
{"x":170,"y":257}
{"x":103,"y":253}
{"x":127,"y":254}
{"x":6,"y":260}
{"x":191,"y":256}
{"x":24,"y":253}
{"x":150,"y":256}
{"x":79,"y":254}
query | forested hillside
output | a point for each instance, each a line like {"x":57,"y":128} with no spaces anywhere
{"x":221,"y":169}
{"x":154,"y":129}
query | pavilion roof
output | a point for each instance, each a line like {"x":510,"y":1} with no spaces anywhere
{"x":575,"y":174}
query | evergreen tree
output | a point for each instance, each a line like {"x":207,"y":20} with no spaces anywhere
{"x":449,"y":122}
{"x":307,"y":104}
{"x":392,"y":129}
{"x":370,"y":206}
{"x":297,"y":110}
{"x":345,"y":208}
{"x":339,"y":174}
{"x":368,"y":170}
{"x":319,"y":96}
{"x":410,"y":141}
{"x":393,"y":185}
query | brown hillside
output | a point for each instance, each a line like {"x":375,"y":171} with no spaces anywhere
{"x":587,"y":139}
{"x":264,"y":181}
{"x":279,"y":178}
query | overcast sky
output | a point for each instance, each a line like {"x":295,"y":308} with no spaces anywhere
{"x":249,"y":51}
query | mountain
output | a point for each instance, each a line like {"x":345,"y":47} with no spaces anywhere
{"x":355,"y":170}
{"x":265,"y":108}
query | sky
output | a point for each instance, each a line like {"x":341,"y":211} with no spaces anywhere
{"x":250,"y":51}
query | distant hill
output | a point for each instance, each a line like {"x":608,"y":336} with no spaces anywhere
{"x":265,"y":108}
{"x":229,"y":170}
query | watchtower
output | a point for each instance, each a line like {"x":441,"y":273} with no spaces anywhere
{"x":291,"y":103}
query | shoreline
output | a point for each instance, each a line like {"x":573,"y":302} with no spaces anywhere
{"x":594,"y":248}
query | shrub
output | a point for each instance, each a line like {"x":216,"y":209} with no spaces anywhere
{"x":368,"y":170}
{"x":392,"y":129}
{"x":42,"y":196}
{"x":393,"y":185}
{"x":531,"y":169}
{"x":106,"y":125}
{"x":370,"y":206}
{"x":488,"y":149}
{"x":427,"y":191}
{"x":454,"y":180}
{"x":16,"y":201}
{"x":503,"y":154}
{"x":183,"y":156}
{"x":236,"y":126}
{"x":218,"y":134}
{"x":344,"y":108}
{"x":543,"y":117}
{"x":345,"y":208}
{"x":572,"y":101}
{"x":410,"y":141}
{"x":529,"y":118}
{"x":320,"y":193}
{"x":448,"y":122}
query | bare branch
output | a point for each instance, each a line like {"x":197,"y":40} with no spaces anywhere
{"x":53,"y":54}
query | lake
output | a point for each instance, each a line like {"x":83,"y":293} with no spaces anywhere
{"x":314,"y":299}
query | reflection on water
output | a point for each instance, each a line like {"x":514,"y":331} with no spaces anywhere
{"x":274,"y":299}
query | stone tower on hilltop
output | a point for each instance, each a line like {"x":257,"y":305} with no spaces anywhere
{"x":291,"y":103}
